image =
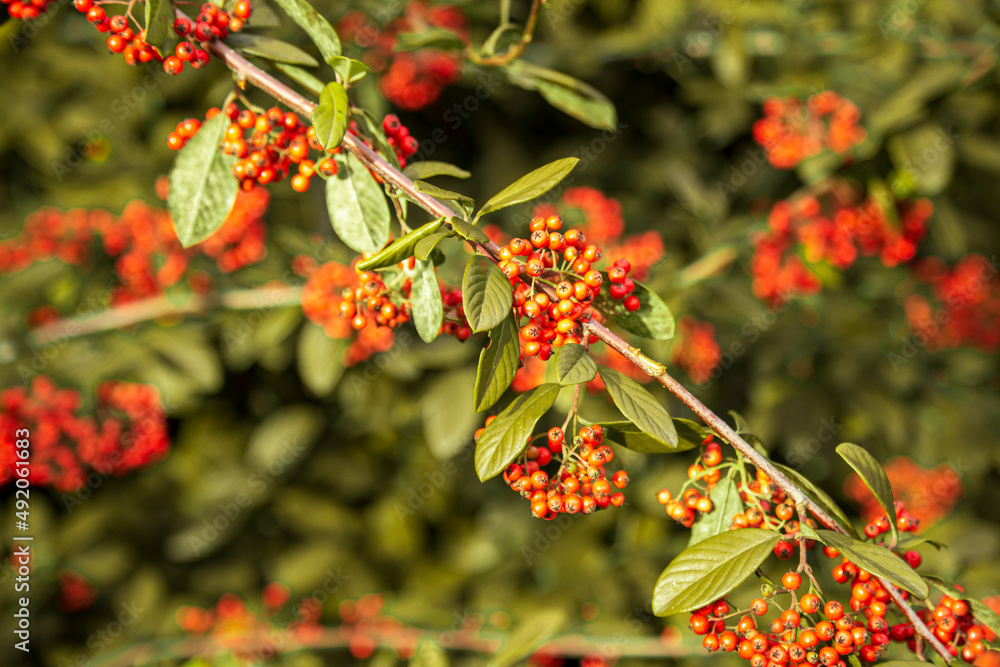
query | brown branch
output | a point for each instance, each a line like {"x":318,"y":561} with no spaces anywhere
{"x":162,"y":306}
{"x":278,"y":90}
{"x":515,"y":50}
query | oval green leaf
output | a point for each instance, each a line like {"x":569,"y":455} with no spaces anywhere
{"x":507,"y":436}
{"x":274,"y":50}
{"x":498,"y":364}
{"x":202,"y":187}
{"x":690,"y":434}
{"x":428,"y":169}
{"x":878,"y":560}
{"x":348,"y":69}
{"x":574,"y":365}
{"x":159,"y":20}
{"x":468,"y":232}
{"x":301,"y":77}
{"x":357,"y":206}
{"x":486,"y":294}
{"x":331,"y":116}
{"x":425,"y":295}
{"x":595,"y":110}
{"x":318,"y":28}
{"x":726,"y":503}
{"x":319,"y":360}
{"x":531,"y":185}
{"x":425,"y":246}
{"x":401,"y":248}
{"x":630,"y":436}
{"x":640,"y":407}
{"x":708,"y":570}
{"x":653,"y":320}
{"x":871,"y":473}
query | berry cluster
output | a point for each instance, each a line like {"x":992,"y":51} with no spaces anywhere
{"x":695,"y":349}
{"x":148,"y":256}
{"x":398,"y":136}
{"x":952,"y":622}
{"x":132,"y":432}
{"x":564,"y":263}
{"x":791,"y":132}
{"x":254,"y":634}
{"x":834,"y":229}
{"x":581,"y":483}
{"x":213,"y":22}
{"x":27,"y":10}
{"x":409,"y":79}
{"x":963,"y":307}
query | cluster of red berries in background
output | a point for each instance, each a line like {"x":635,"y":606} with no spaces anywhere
{"x":409,"y":79}
{"x":213,"y":22}
{"x":65,"y":447}
{"x":148,"y":256}
{"x":255,"y":634}
{"x":695,"y":349}
{"x":835,"y":229}
{"x":580,"y":483}
{"x":791,"y":131}
{"x":928,"y":494}
{"x":564,"y":263}
{"x":27,"y":10}
{"x":962,"y":307}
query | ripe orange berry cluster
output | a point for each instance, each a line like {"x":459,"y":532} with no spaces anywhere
{"x":66,"y":448}
{"x":267,"y":145}
{"x":791,"y":132}
{"x":952,"y":622}
{"x":27,"y":10}
{"x":398,"y":136}
{"x":581,"y":482}
{"x":563,"y":262}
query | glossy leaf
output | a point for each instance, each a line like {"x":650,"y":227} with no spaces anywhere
{"x":425,"y":246}
{"x":498,"y":363}
{"x":400,"y":249}
{"x":531,"y":185}
{"x":690,"y":434}
{"x":425,"y":295}
{"x":159,"y":20}
{"x":202,"y":188}
{"x":877,"y":560}
{"x":318,"y":28}
{"x":574,"y":365}
{"x":871,"y":473}
{"x":708,"y":570}
{"x":640,"y":407}
{"x":332,"y":115}
{"x":357,"y":206}
{"x":348,"y":69}
{"x":726,"y":503}
{"x":486,"y":294}
{"x":468,"y":231}
{"x":595,"y":111}
{"x":653,"y":319}
{"x":464,"y":201}
{"x":507,"y":435}
{"x":274,"y":50}
{"x":428,"y":169}
{"x":630,"y":436}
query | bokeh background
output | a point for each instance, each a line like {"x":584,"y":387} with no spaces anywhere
{"x":284,"y":466}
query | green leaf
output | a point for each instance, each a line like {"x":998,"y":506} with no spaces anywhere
{"x":983,"y":614}
{"x":429,"y":654}
{"x":331,"y":116}
{"x":926,"y":155}
{"x":574,"y":365}
{"x":274,"y":50}
{"x":630,"y":436}
{"x":507,"y":436}
{"x":653,"y":319}
{"x":708,"y":570}
{"x":596,"y":111}
{"x":428,"y":309}
{"x":486,"y":294}
{"x":263,"y":16}
{"x":876,"y":559}
{"x":466,"y":202}
{"x":286,"y":432}
{"x":726,"y":503}
{"x":448,"y":414}
{"x":425,"y":246}
{"x":318,"y":28}
{"x":429,"y":38}
{"x":348,"y":69}
{"x":301,"y":77}
{"x":640,"y":407}
{"x":428,"y":169}
{"x":530,"y":186}
{"x":468,"y":231}
{"x":539,"y":626}
{"x":819,"y":496}
{"x":874,"y":477}
{"x":690,"y":434}
{"x":401,"y":248}
{"x":202,"y":186}
{"x":319,"y":360}
{"x":497,"y":364}
{"x":357,"y":206}
{"x":159,"y":21}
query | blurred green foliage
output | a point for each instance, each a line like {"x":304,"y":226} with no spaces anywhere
{"x":373,"y":480}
